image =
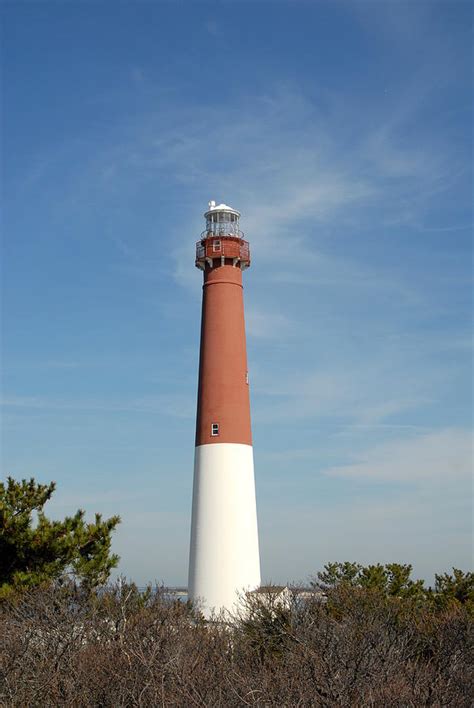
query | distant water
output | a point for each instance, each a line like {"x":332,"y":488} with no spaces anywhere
{"x":180,"y":594}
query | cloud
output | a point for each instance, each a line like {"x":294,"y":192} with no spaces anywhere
{"x":362,"y":395}
{"x":297,"y":174}
{"x":175,"y":405}
{"x":299,"y":167}
{"x":63,"y":364}
{"x":444,"y":457}
{"x":266,"y":324}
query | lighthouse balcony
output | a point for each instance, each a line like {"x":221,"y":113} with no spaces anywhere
{"x":228,"y":250}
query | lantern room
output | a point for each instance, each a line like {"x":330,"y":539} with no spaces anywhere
{"x":222,"y":220}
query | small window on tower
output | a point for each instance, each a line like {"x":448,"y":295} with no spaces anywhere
{"x":214,"y":429}
{"x":216,"y":246}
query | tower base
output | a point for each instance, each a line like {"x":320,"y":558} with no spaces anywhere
{"x":224,"y":554}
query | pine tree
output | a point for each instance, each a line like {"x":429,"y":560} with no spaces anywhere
{"x":459,"y":586}
{"x":392,"y":579}
{"x":32,"y":553}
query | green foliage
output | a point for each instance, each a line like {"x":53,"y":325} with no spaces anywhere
{"x":458,"y":587}
{"x":392,"y":579}
{"x":33,"y":553}
{"x":399,"y":583}
{"x":335,"y":574}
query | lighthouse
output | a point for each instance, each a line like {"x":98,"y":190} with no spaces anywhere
{"x":224,"y":557}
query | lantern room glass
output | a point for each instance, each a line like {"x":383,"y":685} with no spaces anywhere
{"x":221,"y":223}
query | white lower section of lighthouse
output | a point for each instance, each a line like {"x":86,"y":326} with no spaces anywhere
{"x":224,"y":554}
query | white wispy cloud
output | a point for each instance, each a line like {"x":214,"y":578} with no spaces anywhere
{"x":266,"y":324}
{"x":175,"y":405}
{"x":357,"y":395}
{"x":298,"y":167}
{"x":443,"y":456}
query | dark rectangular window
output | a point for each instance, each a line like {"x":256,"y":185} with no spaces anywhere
{"x":214,"y":429}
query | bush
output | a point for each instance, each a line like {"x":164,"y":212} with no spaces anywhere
{"x":120,"y":647}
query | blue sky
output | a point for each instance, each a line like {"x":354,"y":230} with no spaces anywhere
{"x":343,"y":133}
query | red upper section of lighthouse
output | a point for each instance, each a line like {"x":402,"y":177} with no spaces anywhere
{"x":223,"y":395}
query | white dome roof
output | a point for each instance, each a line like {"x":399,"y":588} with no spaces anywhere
{"x":213,"y":207}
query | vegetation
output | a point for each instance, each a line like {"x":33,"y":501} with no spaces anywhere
{"x":352,"y":646}
{"x":394,"y":580}
{"x":458,"y":587}
{"x":33,"y":553}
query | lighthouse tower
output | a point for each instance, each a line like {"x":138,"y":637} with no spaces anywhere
{"x":224,"y":558}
